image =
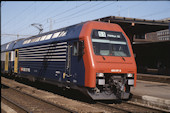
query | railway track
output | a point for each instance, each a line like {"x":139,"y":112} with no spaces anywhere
{"x":29,"y":103}
{"x":126,"y":107}
{"x":75,"y":106}
{"x":61,"y":100}
{"x":18,"y":108}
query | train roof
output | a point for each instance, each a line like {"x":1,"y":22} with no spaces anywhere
{"x":9,"y":46}
{"x":67,"y":33}
{"x":60,"y":35}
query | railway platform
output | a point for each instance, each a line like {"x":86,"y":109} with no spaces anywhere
{"x":154,"y":78}
{"x":154,"y":94}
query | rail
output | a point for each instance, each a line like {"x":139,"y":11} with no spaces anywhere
{"x":129,"y":107}
{"x":44,"y":101}
{"x":17,"y":105}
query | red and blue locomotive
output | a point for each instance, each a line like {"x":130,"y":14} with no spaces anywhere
{"x":93,"y":57}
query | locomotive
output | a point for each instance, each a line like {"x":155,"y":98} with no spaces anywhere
{"x":93,"y":57}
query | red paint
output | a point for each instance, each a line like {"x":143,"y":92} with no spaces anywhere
{"x":96,"y":64}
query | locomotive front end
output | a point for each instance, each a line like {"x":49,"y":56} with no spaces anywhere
{"x":113,"y":68}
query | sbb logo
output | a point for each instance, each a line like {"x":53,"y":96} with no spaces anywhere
{"x":24,"y":69}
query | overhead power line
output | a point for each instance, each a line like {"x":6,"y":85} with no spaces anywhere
{"x":17,"y":15}
{"x":88,"y":11}
{"x":156,"y":13}
{"x":68,"y":10}
{"x":14,"y":35}
{"x":80,"y":11}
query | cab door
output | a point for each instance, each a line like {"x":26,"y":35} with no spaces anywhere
{"x":6,"y":61}
{"x":16,"y":61}
{"x":75,"y":70}
{"x":67,"y":75}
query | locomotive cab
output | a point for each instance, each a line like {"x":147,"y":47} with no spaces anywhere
{"x":111,"y":69}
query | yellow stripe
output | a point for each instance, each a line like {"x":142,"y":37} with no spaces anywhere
{"x":6,"y":61}
{"x":16,"y":62}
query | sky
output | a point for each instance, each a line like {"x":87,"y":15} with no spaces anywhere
{"x":17,"y":16}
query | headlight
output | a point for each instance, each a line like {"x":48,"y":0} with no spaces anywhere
{"x":129,"y":75}
{"x":99,"y":75}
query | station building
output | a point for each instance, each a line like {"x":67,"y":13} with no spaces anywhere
{"x":150,"y":41}
{"x":159,"y":35}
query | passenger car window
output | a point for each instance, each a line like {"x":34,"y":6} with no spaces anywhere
{"x":9,"y":56}
{"x":16,"y":54}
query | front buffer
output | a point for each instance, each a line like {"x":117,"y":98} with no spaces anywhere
{"x":111,"y":86}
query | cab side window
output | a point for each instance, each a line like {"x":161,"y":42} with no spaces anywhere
{"x":75,"y":49}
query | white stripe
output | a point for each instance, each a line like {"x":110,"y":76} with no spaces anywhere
{"x":52,"y":47}
{"x":60,"y":50}
{"x":61,"y":43}
{"x":42,"y":60}
{"x":28,"y":50}
{"x":47,"y":51}
{"x":61,"y":47}
{"x":34,"y":52}
{"x":58,"y":72}
{"x":28,"y":54}
{"x":46,"y":57}
{"x":108,"y":41}
{"x":35,"y":47}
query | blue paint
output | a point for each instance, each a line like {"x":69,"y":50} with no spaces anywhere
{"x":47,"y":69}
{"x":77,"y":70}
{"x":169,"y":26}
{"x":73,"y":32}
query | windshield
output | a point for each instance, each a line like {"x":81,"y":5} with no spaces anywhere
{"x":109,"y":43}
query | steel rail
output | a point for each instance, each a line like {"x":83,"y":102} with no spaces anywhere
{"x":17,"y":105}
{"x":99,"y":103}
{"x":130,"y":104}
{"x":58,"y":106}
{"x":143,"y":106}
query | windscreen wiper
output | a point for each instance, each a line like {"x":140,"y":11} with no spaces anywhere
{"x":123,"y":58}
{"x":103,"y":57}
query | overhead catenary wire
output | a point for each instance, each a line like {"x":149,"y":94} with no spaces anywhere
{"x":91,"y":11}
{"x":19,"y":25}
{"x":22,"y":28}
{"x":14,"y":35}
{"x":80,"y":11}
{"x":10,"y":20}
{"x":75,"y":14}
{"x":103,"y":7}
{"x":72,"y":16}
{"x":156,"y":13}
{"x":61,"y":13}
{"x":66,"y":11}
